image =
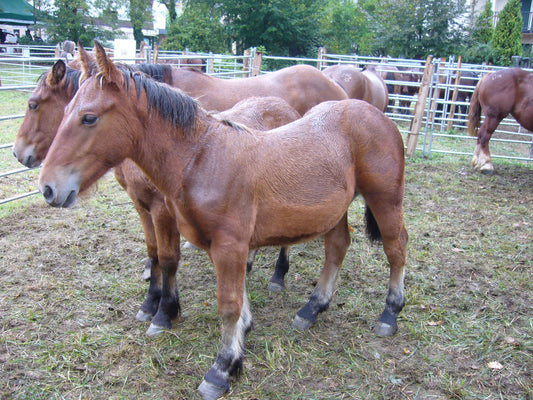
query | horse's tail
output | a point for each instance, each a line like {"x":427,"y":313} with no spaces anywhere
{"x":372,"y":228}
{"x":474,"y":112}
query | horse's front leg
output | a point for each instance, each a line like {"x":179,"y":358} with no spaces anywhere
{"x":336,"y":244}
{"x":229,"y":259}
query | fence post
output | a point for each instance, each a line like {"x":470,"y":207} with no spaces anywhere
{"x":420,"y":105}
{"x":455,"y":93}
{"x":256,"y":63}
{"x":322,"y":51}
{"x":246,"y":61}
{"x":156,"y":53}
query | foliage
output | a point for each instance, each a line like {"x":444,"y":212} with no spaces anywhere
{"x":74,"y":20}
{"x":139,"y":12}
{"x":479,"y":53}
{"x":415,"y":29}
{"x":483,"y":28}
{"x":345,"y":28}
{"x":507,"y":37}
{"x":284,"y":27}
{"x":198,"y":28}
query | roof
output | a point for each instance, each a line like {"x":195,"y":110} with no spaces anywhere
{"x":16,"y":12}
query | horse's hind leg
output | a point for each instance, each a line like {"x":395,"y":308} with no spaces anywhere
{"x":482,"y":160}
{"x":336,"y":244}
{"x":388,"y":214}
{"x":277,"y":282}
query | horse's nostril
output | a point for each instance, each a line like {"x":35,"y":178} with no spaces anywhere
{"x":29,"y":161}
{"x":48,"y":193}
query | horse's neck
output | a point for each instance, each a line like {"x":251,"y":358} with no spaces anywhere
{"x":163,"y":152}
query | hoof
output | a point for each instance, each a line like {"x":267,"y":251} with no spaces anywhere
{"x":383,"y":329}
{"x":189,"y":245}
{"x":210,"y":391}
{"x":143,"y":317}
{"x":154,"y":330}
{"x":301,"y":324}
{"x":275,"y":287}
{"x":487,"y":169}
{"x":147,"y":273}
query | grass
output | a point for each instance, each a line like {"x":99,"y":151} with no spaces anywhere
{"x":70,"y":287}
{"x":69,"y":299}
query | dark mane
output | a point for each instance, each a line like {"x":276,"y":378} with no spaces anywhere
{"x":172,"y":104}
{"x":159,"y":72}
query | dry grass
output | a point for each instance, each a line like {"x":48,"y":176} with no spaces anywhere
{"x":71,"y":285}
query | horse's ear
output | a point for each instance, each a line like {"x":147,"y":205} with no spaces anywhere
{"x":85,"y":63}
{"x":56,"y":74}
{"x":106,"y":69}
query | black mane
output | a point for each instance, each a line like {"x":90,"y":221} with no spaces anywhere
{"x":172,"y":104}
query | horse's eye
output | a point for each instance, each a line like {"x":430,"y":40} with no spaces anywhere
{"x":89,"y":119}
{"x":33,"y":106}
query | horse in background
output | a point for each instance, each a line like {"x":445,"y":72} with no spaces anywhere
{"x":301,"y":86}
{"x":233,"y":190}
{"x":45,"y":111}
{"x":390,"y":74}
{"x":498,"y":94}
{"x":366,"y":85}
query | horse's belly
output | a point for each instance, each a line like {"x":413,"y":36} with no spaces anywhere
{"x":284,"y":225}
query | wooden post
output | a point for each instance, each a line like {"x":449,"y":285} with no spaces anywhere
{"x":142,"y":50}
{"x":322,"y":51}
{"x":156,"y":53}
{"x":256,"y":63}
{"x":420,"y":106}
{"x":56,"y":51}
{"x":455,"y":93}
{"x":246,"y":61}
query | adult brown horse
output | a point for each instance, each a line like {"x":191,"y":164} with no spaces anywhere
{"x":302,"y":86}
{"x":45,"y":111}
{"x":365,"y":85}
{"x":498,"y":94}
{"x":232,"y":190}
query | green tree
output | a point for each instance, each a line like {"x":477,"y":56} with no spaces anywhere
{"x":283,"y":27}
{"x":345,"y":28}
{"x":417,"y":28}
{"x":139,"y":12}
{"x":198,"y":28}
{"x":479,"y":48}
{"x":71,"y":19}
{"x":483,"y":27}
{"x":507,"y":37}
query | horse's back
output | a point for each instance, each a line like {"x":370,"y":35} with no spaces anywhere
{"x":261,"y":113}
{"x":376,"y":93}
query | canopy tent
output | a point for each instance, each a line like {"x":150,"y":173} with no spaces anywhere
{"x":16,"y":12}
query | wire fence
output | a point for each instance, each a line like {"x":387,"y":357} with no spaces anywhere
{"x":443,"y":116}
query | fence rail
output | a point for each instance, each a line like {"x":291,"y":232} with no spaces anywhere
{"x":443,"y":115}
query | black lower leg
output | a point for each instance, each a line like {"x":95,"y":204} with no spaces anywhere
{"x":282,"y":267}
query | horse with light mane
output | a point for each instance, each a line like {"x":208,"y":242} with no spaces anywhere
{"x":235,"y":190}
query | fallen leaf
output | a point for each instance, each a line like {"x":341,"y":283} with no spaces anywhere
{"x":435,"y":323}
{"x":511,"y":340}
{"x":406,"y":351}
{"x":494,"y":365}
